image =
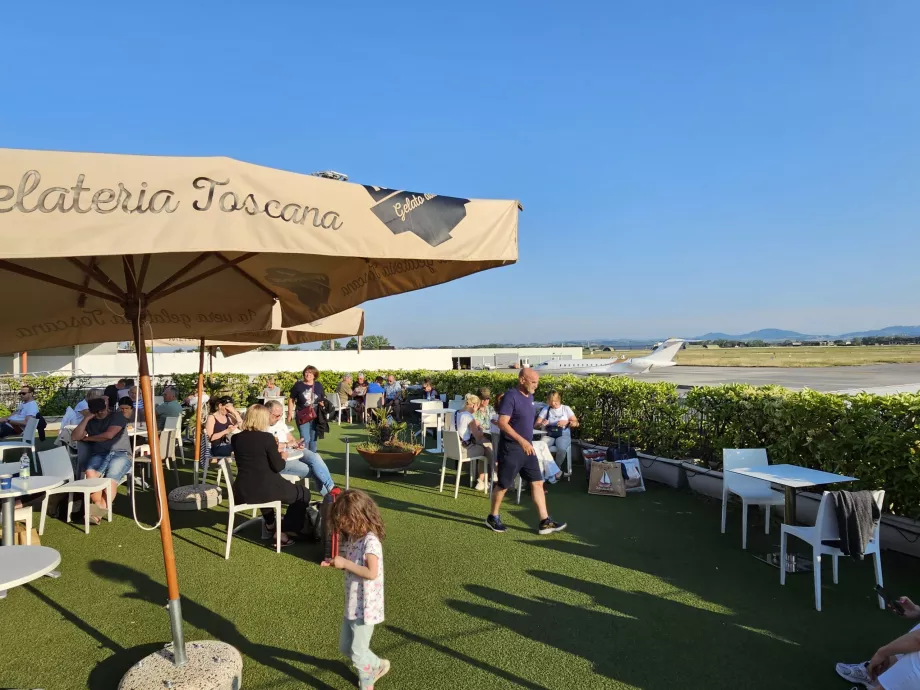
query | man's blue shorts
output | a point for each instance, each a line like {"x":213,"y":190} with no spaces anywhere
{"x":513,"y":461}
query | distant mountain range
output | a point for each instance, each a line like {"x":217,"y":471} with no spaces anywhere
{"x":765,"y":334}
{"x":778,"y":334}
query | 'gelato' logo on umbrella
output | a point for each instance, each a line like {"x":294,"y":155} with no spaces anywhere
{"x":429,"y":216}
{"x":312,"y":289}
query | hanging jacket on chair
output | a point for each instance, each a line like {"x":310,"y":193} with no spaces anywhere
{"x":321,"y":423}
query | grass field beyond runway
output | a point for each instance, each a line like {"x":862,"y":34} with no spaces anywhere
{"x":786,"y":356}
{"x":642,"y":592}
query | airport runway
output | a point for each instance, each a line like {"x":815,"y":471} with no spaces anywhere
{"x":816,"y":378}
{"x":906,"y":376}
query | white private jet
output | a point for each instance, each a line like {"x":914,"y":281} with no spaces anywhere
{"x":662,"y":356}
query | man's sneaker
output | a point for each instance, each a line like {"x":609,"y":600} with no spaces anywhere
{"x":382,"y":670}
{"x":480,"y":485}
{"x":548,"y":526}
{"x":855,"y":673}
{"x":495,"y":522}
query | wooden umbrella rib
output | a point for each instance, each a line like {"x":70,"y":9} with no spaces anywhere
{"x":54,"y":280}
{"x":248,"y":277}
{"x":92,"y":271}
{"x":178,"y":274}
{"x":81,"y":298}
{"x":155,"y":295}
{"x":145,"y":264}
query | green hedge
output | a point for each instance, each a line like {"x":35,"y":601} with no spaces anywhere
{"x":874,"y":438}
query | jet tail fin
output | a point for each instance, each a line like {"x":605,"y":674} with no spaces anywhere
{"x":667,"y":352}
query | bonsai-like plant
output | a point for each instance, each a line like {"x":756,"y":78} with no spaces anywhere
{"x":388,"y":436}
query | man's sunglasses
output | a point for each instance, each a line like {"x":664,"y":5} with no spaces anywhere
{"x":23,"y":392}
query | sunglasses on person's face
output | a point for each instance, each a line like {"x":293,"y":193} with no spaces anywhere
{"x":23,"y":392}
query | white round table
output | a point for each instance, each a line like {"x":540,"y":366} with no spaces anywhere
{"x":22,"y":487}
{"x":22,"y":564}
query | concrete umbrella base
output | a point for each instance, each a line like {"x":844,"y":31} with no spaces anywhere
{"x":211,"y":665}
{"x":195,"y":497}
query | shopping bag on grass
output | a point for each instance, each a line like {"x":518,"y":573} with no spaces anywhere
{"x":606,"y":480}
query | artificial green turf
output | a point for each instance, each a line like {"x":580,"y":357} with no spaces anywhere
{"x":641,"y":592}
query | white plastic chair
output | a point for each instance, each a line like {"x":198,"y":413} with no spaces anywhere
{"x":751,"y":491}
{"x":371,"y":402}
{"x":443,"y":397}
{"x":234,"y":508}
{"x":26,"y":439}
{"x":23,"y":514}
{"x":453,"y":450}
{"x":56,"y":463}
{"x":826,"y":529}
{"x":338,"y":407}
{"x":430,"y":421}
{"x":174,"y":424}
{"x":456,"y":404}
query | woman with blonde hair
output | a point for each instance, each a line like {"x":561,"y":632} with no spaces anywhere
{"x":557,"y":420}
{"x":258,"y":475}
{"x":473,"y":438}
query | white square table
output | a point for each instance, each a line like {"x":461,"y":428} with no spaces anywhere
{"x":440,"y":411}
{"x":791,"y":478}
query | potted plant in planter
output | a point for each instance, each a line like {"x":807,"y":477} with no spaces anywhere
{"x":389,"y":447}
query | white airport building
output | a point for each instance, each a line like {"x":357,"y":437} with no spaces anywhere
{"x":106,"y":361}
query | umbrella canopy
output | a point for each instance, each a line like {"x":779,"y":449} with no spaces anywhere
{"x":100,"y":247}
{"x":212,"y":242}
{"x":344,"y":325}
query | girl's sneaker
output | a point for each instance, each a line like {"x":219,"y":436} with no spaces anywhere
{"x":855,"y":673}
{"x":382,"y":670}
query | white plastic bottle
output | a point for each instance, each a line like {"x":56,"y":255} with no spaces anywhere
{"x":24,"y":465}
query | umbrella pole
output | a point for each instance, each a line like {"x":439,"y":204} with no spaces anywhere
{"x":199,"y":408}
{"x":169,"y":557}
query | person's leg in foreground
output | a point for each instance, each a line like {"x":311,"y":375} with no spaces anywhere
{"x":893,"y":667}
{"x":96,"y":467}
{"x":308,"y":434}
{"x":355,"y":643}
{"x":319,"y":469}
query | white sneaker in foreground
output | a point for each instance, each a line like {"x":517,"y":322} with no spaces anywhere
{"x":855,"y":673}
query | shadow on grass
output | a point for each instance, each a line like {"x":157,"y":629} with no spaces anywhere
{"x":624,"y":635}
{"x":435,"y":513}
{"x":443,"y":649}
{"x":108,"y":674}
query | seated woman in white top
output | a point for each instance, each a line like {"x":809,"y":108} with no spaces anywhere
{"x":472,"y":436}
{"x":557,"y":420}
{"x":271,"y":390}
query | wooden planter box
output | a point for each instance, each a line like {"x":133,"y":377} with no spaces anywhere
{"x":664,"y":471}
{"x":703,"y":480}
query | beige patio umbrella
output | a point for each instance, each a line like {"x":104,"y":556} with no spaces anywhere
{"x":343,"y":325}
{"x":102,"y":247}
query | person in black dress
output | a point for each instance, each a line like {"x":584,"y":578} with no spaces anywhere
{"x":221,"y":424}
{"x":258,"y":474}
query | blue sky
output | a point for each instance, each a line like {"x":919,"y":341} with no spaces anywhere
{"x":684,"y":167}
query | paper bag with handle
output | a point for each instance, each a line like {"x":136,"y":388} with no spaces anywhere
{"x":606,"y":480}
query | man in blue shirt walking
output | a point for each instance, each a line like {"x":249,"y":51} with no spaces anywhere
{"x":516,"y":416}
